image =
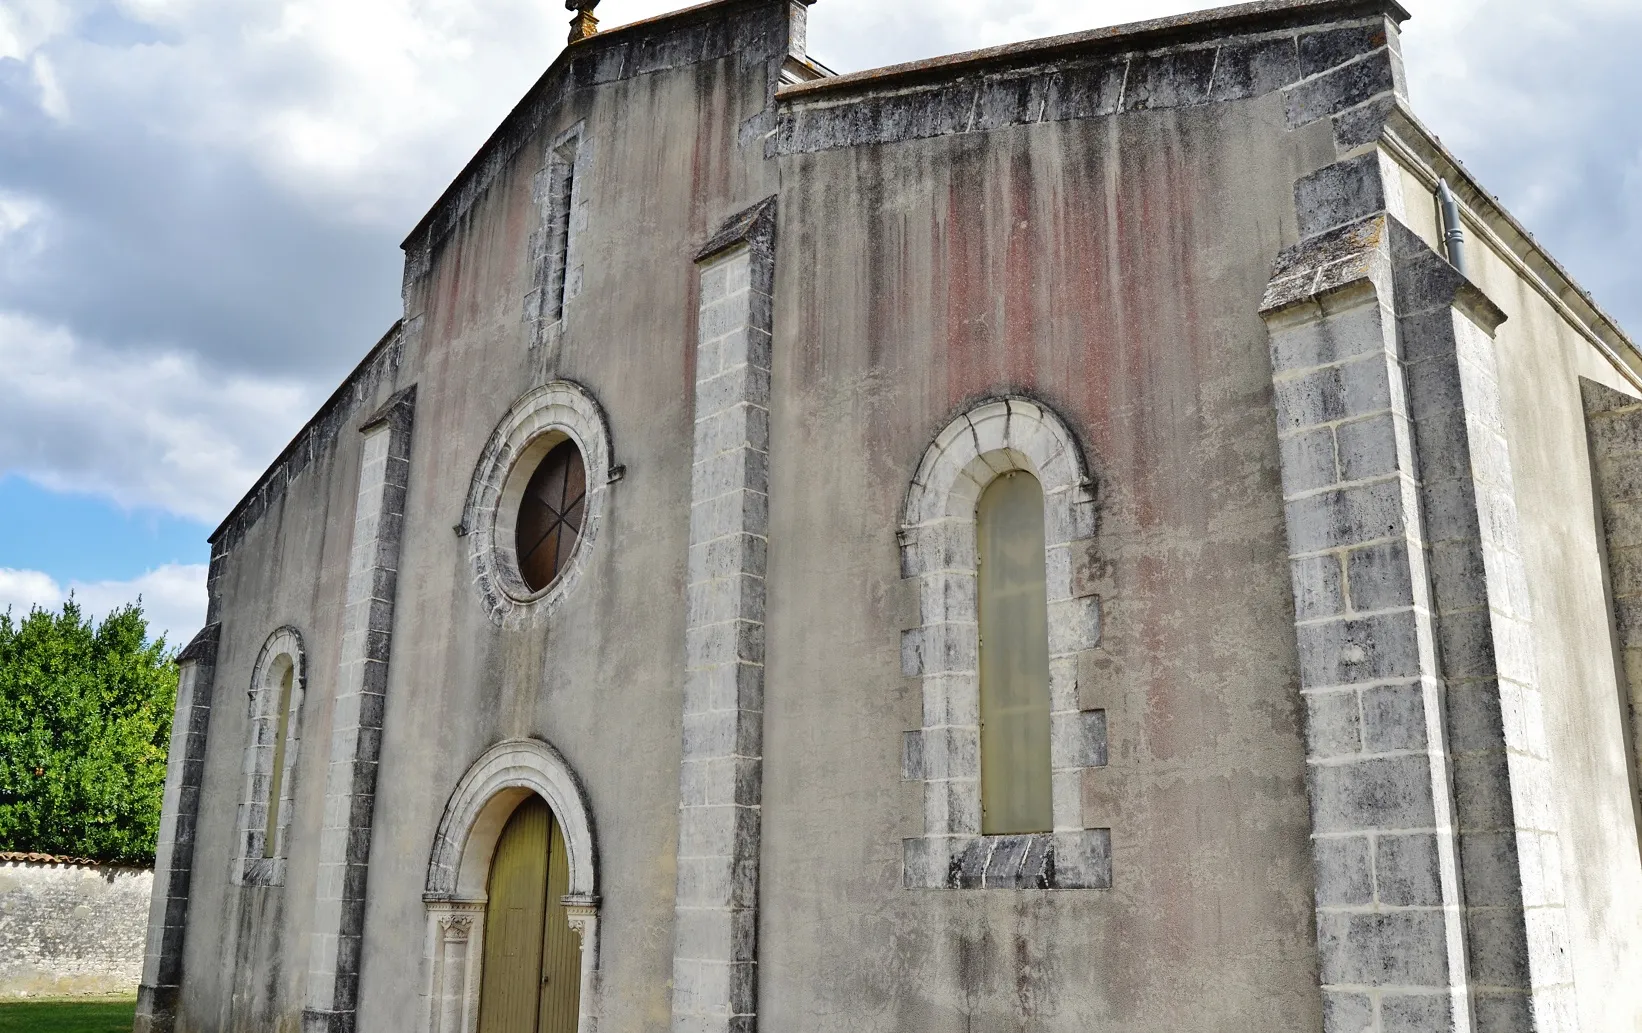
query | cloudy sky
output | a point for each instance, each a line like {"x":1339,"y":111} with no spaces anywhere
{"x":201,"y":203}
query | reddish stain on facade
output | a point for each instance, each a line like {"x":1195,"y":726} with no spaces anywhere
{"x":1021,"y":273}
{"x":961,"y":266}
{"x":710,"y":175}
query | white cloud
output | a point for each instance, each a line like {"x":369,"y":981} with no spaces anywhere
{"x":1539,"y":100}
{"x":358,"y":106}
{"x":22,"y":229}
{"x":854,"y":34}
{"x":21,"y":590}
{"x":145,"y":429}
{"x":173,"y":597}
{"x":364,"y":109}
{"x":368,"y":107}
{"x":26,"y":24}
{"x":52,"y":99}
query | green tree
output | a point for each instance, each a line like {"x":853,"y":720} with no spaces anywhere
{"x":85,"y":723}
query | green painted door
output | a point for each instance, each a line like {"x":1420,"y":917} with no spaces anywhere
{"x":561,"y":948}
{"x":532,"y":969}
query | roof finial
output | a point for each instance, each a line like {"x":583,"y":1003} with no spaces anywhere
{"x":584,"y":24}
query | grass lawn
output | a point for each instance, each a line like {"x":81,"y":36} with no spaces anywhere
{"x":98,"y":1015}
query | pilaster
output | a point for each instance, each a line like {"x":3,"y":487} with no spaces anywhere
{"x":1613,"y":428}
{"x":1517,"y":948}
{"x":356,"y":720}
{"x":179,"y":816}
{"x":715,"y":957}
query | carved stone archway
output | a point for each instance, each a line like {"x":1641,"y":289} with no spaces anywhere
{"x":459,"y":867}
{"x":938,"y":549}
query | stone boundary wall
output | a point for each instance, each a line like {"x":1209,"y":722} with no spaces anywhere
{"x":70,"y":927}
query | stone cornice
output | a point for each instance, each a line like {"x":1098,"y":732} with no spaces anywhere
{"x":1196,"y":27}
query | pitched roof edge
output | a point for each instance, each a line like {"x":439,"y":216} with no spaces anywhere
{"x":521,"y":111}
{"x":1260,"y":14}
{"x":331,"y":404}
{"x":1427,"y":157}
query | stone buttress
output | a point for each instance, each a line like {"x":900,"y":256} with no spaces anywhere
{"x":1439,"y":899}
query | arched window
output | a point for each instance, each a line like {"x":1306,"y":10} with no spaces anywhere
{"x":998,"y":509}
{"x":284,"y":675}
{"x":275,"y":713}
{"x":1013,"y":597}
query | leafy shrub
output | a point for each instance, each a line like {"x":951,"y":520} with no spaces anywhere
{"x":85,"y":723}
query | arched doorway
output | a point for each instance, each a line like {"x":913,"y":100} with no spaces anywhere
{"x":532,"y":959}
{"x":511,"y":897}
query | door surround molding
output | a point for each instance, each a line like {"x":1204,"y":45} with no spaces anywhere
{"x":459,"y":869}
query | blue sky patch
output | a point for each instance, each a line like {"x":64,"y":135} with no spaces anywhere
{"x":82,"y":538}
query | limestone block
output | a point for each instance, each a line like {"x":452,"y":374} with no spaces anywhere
{"x":1398,"y":948}
{"x":1333,"y":724}
{"x":1347,"y":516}
{"x":1394,"y":718}
{"x":1342,"y":88}
{"x":1407,"y":870}
{"x":1344,"y":869}
{"x":1376,"y":792}
{"x":1381,"y":647}
{"x":1342,"y":193}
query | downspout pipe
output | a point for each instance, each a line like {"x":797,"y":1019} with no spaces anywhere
{"x":1453,"y":231}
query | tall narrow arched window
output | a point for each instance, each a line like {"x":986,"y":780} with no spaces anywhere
{"x":274,"y":738}
{"x":1001,"y":523}
{"x":285,"y":674}
{"x":1013,"y":598}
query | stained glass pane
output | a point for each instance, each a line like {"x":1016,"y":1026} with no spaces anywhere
{"x":276,"y":781}
{"x":550,"y":516}
{"x":575,"y":482}
{"x":1014,"y":660}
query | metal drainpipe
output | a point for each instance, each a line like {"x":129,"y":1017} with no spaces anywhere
{"x":1453,"y":231}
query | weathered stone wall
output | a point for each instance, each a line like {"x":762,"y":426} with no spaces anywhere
{"x":69,"y":929}
{"x":1108,"y":268}
{"x":1084,"y":225}
{"x":1614,"y":423}
{"x":1542,"y":355}
{"x":600,"y":676}
{"x":1553,"y":339}
{"x":235,"y":956}
{"x":1091,"y":231}
{"x":1528,"y":787}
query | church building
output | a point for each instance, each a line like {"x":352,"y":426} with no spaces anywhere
{"x":1117,"y":533}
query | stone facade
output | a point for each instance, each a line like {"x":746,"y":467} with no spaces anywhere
{"x":361,"y":688}
{"x":1336,"y":544}
{"x":1614,"y":423}
{"x":70,"y":927}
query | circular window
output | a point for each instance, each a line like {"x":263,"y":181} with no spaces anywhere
{"x":551,"y":514}
{"x":536,"y":501}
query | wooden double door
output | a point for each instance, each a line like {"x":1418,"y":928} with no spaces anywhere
{"x":531,"y":981}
